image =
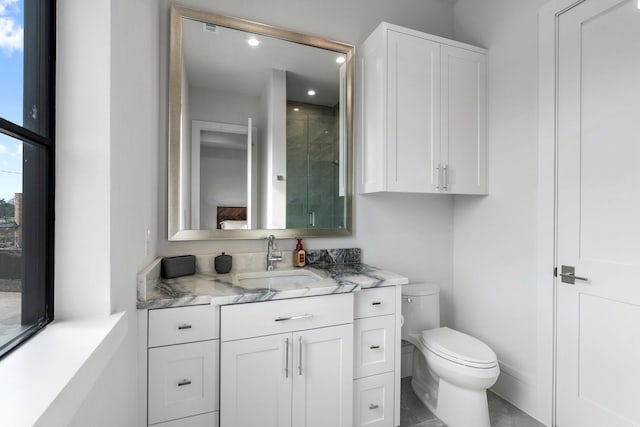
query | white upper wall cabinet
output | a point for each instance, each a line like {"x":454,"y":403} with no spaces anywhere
{"x":422,"y":114}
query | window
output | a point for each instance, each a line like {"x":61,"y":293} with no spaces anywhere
{"x":27,"y":52}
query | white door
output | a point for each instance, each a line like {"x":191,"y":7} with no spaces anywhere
{"x":323,"y":377}
{"x":255,"y":377}
{"x":413,"y":113}
{"x":598,"y":202}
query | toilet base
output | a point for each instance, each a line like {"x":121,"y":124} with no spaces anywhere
{"x":460,"y":407}
{"x":455,"y":406}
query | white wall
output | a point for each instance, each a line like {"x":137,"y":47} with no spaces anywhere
{"x":108,"y":104}
{"x":82,"y":244}
{"x":225,"y":107}
{"x":495,"y":252}
{"x":410,"y":234}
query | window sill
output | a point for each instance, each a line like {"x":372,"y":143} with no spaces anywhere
{"x":44,"y":381}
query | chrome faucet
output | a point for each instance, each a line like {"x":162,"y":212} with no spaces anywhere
{"x":271,"y":246}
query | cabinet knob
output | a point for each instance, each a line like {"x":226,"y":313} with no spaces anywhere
{"x":184,"y":382}
{"x":376,"y":303}
{"x":184,"y":326}
{"x":373,"y":406}
{"x":374,"y":347}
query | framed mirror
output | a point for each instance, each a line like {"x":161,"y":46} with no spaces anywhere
{"x":260,"y":130}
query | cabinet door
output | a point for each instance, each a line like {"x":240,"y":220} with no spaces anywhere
{"x":413,"y":113}
{"x":464,"y":110}
{"x":255,"y":374}
{"x":183,"y":380}
{"x":323,"y":377}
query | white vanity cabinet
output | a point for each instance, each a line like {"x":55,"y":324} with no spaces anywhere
{"x":377,"y":357}
{"x":422,"y":121}
{"x":183,"y":349}
{"x":287,"y":363}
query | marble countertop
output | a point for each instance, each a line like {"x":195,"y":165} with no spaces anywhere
{"x":208,"y":287}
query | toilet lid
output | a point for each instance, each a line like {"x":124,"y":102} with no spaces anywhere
{"x":459,"y":348}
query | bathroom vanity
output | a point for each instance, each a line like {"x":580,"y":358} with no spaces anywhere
{"x":318,"y":346}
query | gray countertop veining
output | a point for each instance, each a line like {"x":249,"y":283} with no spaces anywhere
{"x":209,"y":287}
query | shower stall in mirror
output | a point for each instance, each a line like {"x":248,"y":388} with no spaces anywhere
{"x":314,"y":196}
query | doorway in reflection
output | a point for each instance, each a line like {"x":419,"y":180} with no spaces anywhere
{"x":314,"y":196}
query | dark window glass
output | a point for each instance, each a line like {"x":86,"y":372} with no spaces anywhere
{"x":27,"y":39}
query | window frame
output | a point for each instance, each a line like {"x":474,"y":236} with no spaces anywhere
{"x":45,"y":179}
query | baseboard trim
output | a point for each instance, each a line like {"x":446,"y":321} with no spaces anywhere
{"x":516,"y":387}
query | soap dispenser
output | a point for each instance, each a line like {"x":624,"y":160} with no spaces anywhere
{"x":299,"y":255}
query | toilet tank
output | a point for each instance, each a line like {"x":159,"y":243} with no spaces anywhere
{"x":420,"y":308}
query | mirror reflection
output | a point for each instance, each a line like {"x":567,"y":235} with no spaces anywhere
{"x":263,"y":138}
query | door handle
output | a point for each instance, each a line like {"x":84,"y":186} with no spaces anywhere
{"x":286,"y":357}
{"x":445,"y":179}
{"x":568,"y":275}
{"x":300,"y":355}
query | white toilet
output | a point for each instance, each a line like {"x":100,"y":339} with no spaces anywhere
{"x":451,"y":370}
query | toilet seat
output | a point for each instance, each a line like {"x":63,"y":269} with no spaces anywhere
{"x":459,"y":348}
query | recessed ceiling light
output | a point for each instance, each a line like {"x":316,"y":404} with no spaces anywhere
{"x":296,"y":109}
{"x":342,"y":59}
{"x":253,"y":42}
{"x":311,"y":92}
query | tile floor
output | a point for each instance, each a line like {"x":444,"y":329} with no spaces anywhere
{"x":502,"y":413}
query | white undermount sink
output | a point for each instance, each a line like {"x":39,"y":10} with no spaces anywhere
{"x":269,"y":279}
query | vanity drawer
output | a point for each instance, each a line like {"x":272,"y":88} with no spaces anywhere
{"x":183,"y":380}
{"x":375,"y":302}
{"x":374,"y":345}
{"x":275,"y":317}
{"x":179,"y":325}
{"x":373,"y":401}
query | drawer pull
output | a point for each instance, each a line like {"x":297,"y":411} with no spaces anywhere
{"x":373,"y":406}
{"x":184,"y":382}
{"x":184,"y":326}
{"x":301,"y":316}
{"x":374,"y":347}
{"x":376,"y":303}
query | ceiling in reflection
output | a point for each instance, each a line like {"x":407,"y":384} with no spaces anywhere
{"x":221,"y":59}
